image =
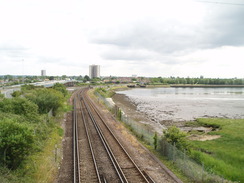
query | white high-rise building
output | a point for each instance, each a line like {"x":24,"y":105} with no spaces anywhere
{"x":43,"y":72}
{"x":94,"y":71}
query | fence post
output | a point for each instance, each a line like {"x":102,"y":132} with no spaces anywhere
{"x":56,"y":152}
{"x":202,"y":171}
{"x":184,"y":159}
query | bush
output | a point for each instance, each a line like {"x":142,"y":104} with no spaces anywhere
{"x":16,"y":93}
{"x":61,"y":88}
{"x":16,"y":142}
{"x":173,"y":135}
{"x":46,"y":99}
{"x":20,"y":106}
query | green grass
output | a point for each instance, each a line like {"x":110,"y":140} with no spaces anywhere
{"x":39,"y":167}
{"x":225,"y":155}
{"x":43,"y":166}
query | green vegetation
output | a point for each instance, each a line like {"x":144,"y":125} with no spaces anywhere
{"x":197,"y":81}
{"x":46,"y":99}
{"x":105,"y":92}
{"x":223,"y":156}
{"x":155,"y":140}
{"x":119,"y":115}
{"x":174,"y":136}
{"x":16,"y":142}
{"x":61,"y":88}
{"x":29,"y":134}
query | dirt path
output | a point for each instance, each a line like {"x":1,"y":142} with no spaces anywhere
{"x":66,"y":169}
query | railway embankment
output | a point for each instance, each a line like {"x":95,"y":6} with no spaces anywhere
{"x":208,"y":164}
{"x":31,"y":134}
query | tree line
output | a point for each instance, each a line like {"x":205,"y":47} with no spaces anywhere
{"x":195,"y":81}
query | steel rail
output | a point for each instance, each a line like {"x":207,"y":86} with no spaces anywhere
{"x":90,"y":145}
{"x":149,"y":178}
{"x":77,"y":148}
{"x":108,"y":149}
{"x":75,"y":144}
{"x":112,"y":134}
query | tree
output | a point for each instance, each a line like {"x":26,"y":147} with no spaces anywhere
{"x":60,"y":87}
{"x":46,"y":100}
{"x":21,"y":106}
{"x":16,"y":142}
{"x":51,"y":78}
{"x":16,"y":93}
{"x":173,"y":135}
{"x":27,"y":87}
{"x":64,"y":77}
{"x":86,"y":78}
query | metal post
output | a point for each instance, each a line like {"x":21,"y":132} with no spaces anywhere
{"x":56,"y":152}
{"x":184,"y":159}
{"x":202,"y":171}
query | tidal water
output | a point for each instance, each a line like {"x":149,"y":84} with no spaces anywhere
{"x":183,"y":104}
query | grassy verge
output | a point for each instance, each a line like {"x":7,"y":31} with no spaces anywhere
{"x":108,"y":92}
{"x":41,"y":166}
{"x":42,"y":162}
{"x":169,"y":164}
{"x":225,"y":155}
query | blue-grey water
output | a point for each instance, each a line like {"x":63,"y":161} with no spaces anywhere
{"x":183,"y":104}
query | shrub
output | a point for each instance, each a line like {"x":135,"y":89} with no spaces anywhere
{"x":46,"y":99}
{"x":173,"y":135}
{"x":16,"y":93}
{"x":61,"y":88}
{"x":20,"y":106}
{"x":16,"y":142}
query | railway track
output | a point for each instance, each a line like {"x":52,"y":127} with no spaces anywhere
{"x":98,"y":155}
{"x":87,"y":165}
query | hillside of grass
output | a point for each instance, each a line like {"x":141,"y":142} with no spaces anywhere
{"x":225,"y":155}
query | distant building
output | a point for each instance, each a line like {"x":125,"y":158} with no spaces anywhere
{"x":43,"y":72}
{"x":94,"y":71}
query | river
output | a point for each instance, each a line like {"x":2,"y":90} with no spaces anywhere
{"x":184,"y":104}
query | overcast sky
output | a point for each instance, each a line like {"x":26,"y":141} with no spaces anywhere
{"x":126,"y":37}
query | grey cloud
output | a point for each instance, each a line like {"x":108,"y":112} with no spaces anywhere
{"x":43,"y":59}
{"x":125,"y":54}
{"x":224,"y":28}
{"x":13,"y":52}
{"x":9,"y":47}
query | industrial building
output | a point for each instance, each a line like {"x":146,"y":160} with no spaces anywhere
{"x":94,"y":71}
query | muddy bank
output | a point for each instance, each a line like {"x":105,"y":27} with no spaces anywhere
{"x":163,"y":107}
{"x":130,"y":109}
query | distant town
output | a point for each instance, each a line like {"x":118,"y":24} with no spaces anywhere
{"x":95,"y":78}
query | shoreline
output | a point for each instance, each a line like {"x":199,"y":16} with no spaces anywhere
{"x":207,"y":86}
{"x":130,"y":109}
{"x":155,"y":117}
{"x":184,"y":86}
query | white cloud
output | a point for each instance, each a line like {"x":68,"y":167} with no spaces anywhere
{"x":148,"y":38}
